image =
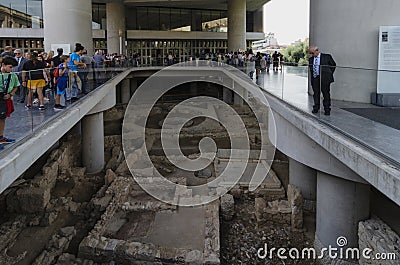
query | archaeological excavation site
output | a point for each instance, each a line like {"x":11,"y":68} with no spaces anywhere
{"x":58,"y":213}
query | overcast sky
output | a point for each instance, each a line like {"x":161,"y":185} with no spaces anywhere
{"x":288,"y":19}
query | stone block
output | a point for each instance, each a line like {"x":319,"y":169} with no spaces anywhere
{"x":294,"y":195}
{"x":212,"y":259}
{"x":236,"y":193}
{"x":297,"y":217}
{"x":68,"y":231}
{"x":66,"y":259}
{"x":296,"y":202}
{"x":76,"y":172}
{"x":221,"y":190}
{"x":379,"y":237}
{"x":73,"y":206}
{"x":227,"y":206}
{"x":112,"y":163}
{"x":122,"y":168}
{"x":32,"y":199}
{"x":109,"y":177}
{"x":194,"y":257}
{"x":48,"y":219}
{"x":50,"y":170}
{"x":260,"y":206}
{"x":111,"y":141}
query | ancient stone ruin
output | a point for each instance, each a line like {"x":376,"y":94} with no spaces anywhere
{"x":107,"y":218}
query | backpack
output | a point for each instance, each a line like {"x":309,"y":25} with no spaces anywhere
{"x":56,"y":74}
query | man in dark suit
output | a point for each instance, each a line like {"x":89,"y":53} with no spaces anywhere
{"x":18,"y":70}
{"x":322,"y":66}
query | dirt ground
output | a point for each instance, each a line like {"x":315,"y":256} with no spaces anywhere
{"x":242,"y":237}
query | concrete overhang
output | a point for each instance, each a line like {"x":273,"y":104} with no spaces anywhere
{"x":370,"y":166}
{"x":187,"y":35}
{"x":252,"y":5}
{"x":22,"y":33}
{"x":16,"y":160}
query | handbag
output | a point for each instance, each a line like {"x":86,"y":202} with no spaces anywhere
{"x":3,"y":102}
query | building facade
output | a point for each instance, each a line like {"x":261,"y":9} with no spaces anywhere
{"x":149,"y":30}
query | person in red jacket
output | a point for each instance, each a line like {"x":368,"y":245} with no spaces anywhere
{"x":9,"y":84}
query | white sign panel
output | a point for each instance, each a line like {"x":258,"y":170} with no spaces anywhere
{"x":66,"y":48}
{"x":389,"y":60}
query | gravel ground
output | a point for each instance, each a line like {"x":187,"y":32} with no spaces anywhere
{"x":242,"y":237}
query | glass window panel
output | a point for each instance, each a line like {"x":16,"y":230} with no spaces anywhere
{"x":176,"y":22}
{"x":186,"y":20}
{"x":215,"y":15}
{"x":142,"y":18}
{"x":165,"y":19}
{"x":154,"y":18}
{"x":34,"y":9}
{"x":196,"y":20}
{"x":21,"y":13}
{"x":131,"y":19}
{"x":205,"y":19}
{"x":249,"y":21}
{"x":99,"y":16}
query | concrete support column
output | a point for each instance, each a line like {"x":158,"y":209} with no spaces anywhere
{"x":73,"y":25}
{"x":93,"y":142}
{"x":237,"y":100}
{"x":134,"y":85}
{"x":125,"y":91}
{"x":77,"y":129}
{"x":341,"y":204}
{"x":303,"y":177}
{"x":227,"y":95}
{"x":240,"y":94}
{"x":193,"y":88}
{"x":236,"y":25}
{"x":115,"y":13}
{"x":258,"y":20}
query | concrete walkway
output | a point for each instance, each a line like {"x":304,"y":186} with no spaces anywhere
{"x":291,"y":85}
{"x":23,"y":123}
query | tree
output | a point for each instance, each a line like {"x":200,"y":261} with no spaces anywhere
{"x":296,"y":54}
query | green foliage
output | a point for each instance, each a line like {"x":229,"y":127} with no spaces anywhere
{"x":296,"y":54}
{"x":302,"y":62}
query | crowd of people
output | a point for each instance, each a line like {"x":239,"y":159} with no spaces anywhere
{"x":41,"y":73}
{"x":33,"y":75}
{"x":254,"y":64}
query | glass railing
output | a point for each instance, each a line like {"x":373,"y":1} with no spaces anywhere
{"x":35,"y":100}
{"x":368,"y":124}
{"x":355,"y":108}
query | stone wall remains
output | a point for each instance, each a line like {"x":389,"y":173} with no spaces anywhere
{"x":377,"y":236}
{"x":288,"y":212}
{"x":34,"y":195}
